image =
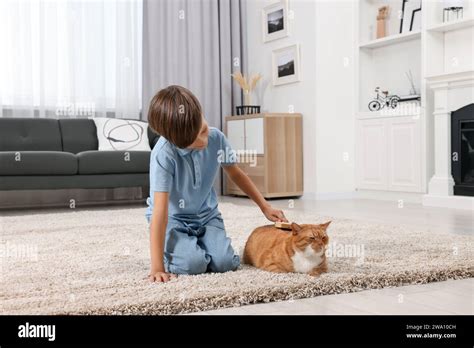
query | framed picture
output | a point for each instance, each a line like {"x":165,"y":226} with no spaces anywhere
{"x":410,"y":16}
{"x":275,"y":21}
{"x":286,"y":65}
{"x":415,"y":23}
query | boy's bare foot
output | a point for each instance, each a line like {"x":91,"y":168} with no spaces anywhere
{"x":161,"y":277}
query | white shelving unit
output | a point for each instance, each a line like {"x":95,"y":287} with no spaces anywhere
{"x":454,"y":25}
{"x":391,"y":40}
{"x":395,"y":152}
{"x":364,"y":115}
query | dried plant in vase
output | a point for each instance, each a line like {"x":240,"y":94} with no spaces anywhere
{"x":247,"y":85}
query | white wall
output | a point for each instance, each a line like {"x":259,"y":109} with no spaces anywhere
{"x":325,"y":94}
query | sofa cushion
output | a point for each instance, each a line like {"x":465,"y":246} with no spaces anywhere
{"x":116,"y":134}
{"x":152,"y":137}
{"x":29,"y":134}
{"x":37,"y":163}
{"x":109,"y":162}
{"x":78,"y":134}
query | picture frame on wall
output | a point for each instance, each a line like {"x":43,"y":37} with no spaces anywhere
{"x":410,"y":16}
{"x":275,"y":21}
{"x":286,"y":65}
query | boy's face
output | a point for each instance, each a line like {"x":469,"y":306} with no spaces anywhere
{"x":202,"y":138}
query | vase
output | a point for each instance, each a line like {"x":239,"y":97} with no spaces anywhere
{"x":247,"y":108}
{"x":247,"y":97}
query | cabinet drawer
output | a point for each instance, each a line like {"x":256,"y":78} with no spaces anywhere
{"x":256,"y":172}
{"x":254,"y":135}
{"x":246,"y":135}
{"x":236,"y":134}
{"x":252,"y":165}
{"x":232,"y":188}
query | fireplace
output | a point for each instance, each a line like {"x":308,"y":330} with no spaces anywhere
{"x":462,"y":148}
{"x":452,"y":108}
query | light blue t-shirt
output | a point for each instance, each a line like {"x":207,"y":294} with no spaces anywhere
{"x":188,"y":175}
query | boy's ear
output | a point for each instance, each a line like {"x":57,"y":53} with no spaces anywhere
{"x":295,"y":228}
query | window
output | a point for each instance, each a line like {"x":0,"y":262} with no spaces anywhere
{"x":70,"y":57}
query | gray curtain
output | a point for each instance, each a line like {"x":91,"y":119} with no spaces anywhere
{"x":196,"y":44}
{"x":233,"y":52}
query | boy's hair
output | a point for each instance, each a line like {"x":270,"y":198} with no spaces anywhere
{"x":175,"y":113}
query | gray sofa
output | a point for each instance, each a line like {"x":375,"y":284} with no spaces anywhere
{"x":44,"y":154}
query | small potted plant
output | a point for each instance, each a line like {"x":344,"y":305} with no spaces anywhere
{"x":247,"y":85}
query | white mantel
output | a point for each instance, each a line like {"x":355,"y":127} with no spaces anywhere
{"x":451,"y":92}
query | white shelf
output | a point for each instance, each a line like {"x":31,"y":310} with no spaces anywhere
{"x":391,"y":40}
{"x":365,"y":115}
{"x":457,"y":76}
{"x":453,"y":25}
{"x":383,"y":62}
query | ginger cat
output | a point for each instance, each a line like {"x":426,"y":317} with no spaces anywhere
{"x":301,"y":250}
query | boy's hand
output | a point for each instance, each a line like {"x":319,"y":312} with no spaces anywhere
{"x":160,"y":277}
{"x":274,"y":215}
{"x":245,"y":184}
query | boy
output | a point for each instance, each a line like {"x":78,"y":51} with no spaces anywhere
{"x":187,"y":234}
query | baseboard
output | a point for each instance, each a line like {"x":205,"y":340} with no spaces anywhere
{"x":409,"y":197}
{"x":391,"y":196}
{"x":454,"y":202}
{"x":327,"y":196}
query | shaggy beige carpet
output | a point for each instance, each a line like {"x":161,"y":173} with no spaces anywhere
{"x":96,"y":262}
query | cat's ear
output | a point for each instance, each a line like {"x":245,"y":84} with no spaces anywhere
{"x":325,"y":225}
{"x":295,"y":228}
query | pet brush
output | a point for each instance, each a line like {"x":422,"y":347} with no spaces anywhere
{"x":283,"y":225}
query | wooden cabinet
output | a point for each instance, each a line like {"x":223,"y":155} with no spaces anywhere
{"x":389,"y":154}
{"x":236,"y":134}
{"x":372,"y":154}
{"x":404,"y":138}
{"x":269,"y":151}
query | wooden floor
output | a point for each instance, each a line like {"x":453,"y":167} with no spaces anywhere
{"x":449,"y":297}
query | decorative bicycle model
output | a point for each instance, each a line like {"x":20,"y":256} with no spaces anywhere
{"x":383,"y":100}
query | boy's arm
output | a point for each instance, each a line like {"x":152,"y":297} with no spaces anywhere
{"x":246,"y":185}
{"x":159,"y":220}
